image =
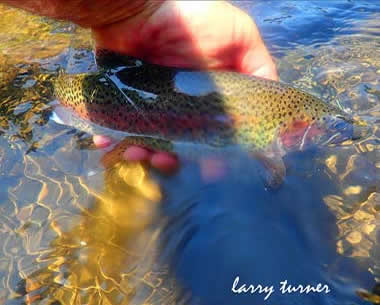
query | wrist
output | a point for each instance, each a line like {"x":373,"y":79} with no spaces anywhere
{"x":89,"y":13}
{"x":105,"y":13}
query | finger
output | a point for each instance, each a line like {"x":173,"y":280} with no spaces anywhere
{"x":165,"y":162}
{"x":162,"y":161}
{"x":267,"y":71}
{"x":257,"y":61}
{"x":136,"y":153}
{"x":101,"y":141}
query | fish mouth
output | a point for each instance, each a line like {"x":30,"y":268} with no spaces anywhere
{"x":341,"y":129}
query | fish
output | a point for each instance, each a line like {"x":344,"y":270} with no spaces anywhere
{"x":128,"y":97}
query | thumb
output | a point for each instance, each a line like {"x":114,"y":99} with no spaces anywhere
{"x":256,"y":59}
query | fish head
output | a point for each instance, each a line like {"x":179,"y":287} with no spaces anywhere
{"x":65,"y":116}
{"x":67,"y":88}
{"x":328,"y":130}
{"x":339,"y":128}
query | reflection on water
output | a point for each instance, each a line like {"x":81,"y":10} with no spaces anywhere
{"x":72,"y":232}
{"x":347,"y":72}
{"x":104,"y":253}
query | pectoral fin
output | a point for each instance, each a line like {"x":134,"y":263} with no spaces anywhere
{"x":274,"y":170}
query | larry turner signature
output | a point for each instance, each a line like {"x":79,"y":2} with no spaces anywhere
{"x":284,"y":288}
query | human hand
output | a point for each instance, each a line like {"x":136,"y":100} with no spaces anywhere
{"x":192,"y":34}
{"x":164,"y":161}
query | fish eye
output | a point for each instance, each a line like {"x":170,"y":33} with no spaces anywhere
{"x":344,"y":118}
{"x":340,"y":125}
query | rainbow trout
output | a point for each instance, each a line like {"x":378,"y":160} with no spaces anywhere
{"x":129,"y":97}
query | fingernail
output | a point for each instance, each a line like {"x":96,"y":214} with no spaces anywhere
{"x":101,"y":141}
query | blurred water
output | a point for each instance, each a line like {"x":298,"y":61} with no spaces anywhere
{"x":73,"y":233}
{"x":290,"y":24}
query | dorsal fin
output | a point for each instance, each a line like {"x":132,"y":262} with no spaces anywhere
{"x":107,"y":59}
